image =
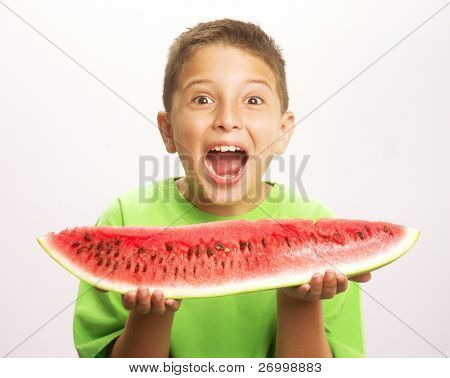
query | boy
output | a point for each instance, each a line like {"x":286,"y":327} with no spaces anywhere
{"x":225,"y":100}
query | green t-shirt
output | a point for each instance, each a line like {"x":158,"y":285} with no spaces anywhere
{"x":239,"y":325}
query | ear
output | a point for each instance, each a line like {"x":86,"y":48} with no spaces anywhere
{"x":165,"y":128}
{"x":284,"y":132}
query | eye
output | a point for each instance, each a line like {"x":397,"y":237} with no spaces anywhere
{"x":255,"y":102}
{"x":203,"y":98}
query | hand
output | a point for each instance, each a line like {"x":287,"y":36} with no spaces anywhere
{"x":325,"y":287}
{"x":145,"y":303}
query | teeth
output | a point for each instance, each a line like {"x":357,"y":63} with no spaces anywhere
{"x":226,"y":148}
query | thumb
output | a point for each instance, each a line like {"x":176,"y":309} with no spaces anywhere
{"x":361,"y":278}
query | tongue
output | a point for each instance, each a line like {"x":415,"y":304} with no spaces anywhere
{"x":226,"y":163}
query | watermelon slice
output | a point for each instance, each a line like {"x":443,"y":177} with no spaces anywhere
{"x":225,"y":257}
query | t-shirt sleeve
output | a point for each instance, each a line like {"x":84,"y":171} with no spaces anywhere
{"x":343,"y":315}
{"x":99,"y":318}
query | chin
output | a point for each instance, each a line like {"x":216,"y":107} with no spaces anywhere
{"x":224,"y":195}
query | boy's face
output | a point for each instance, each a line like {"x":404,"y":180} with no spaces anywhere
{"x":226,"y":109}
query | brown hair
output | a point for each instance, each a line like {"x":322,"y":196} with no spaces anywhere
{"x":245,"y":35}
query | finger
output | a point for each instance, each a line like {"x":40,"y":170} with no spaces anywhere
{"x":316,"y":287}
{"x":143,"y":305}
{"x":129,"y":300}
{"x":158,"y":305}
{"x":329,"y":284}
{"x":101,"y":290}
{"x":342,"y":283}
{"x":300,"y":292}
{"x":362,"y":278}
{"x":173,"y":304}
{"x":306,"y":288}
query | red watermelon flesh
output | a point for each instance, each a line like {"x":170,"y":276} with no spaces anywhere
{"x":225,"y":257}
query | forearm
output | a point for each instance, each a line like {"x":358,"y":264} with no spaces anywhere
{"x":145,"y":335}
{"x":300,"y":329}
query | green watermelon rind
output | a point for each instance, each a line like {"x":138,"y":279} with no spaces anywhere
{"x":79,"y":273}
{"x":394,"y":252}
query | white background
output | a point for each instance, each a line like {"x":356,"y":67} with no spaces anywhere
{"x":378,"y":148}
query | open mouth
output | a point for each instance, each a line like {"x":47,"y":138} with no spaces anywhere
{"x":225,"y":164}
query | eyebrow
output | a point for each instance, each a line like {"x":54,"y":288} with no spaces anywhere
{"x":200,"y":81}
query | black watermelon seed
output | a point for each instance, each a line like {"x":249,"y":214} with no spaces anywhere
{"x":87,"y":237}
{"x":215,"y":260}
{"x":190,"y":253}
{"x":76,"y":244}
{"x":79,"y":250}
{"x":219,"y":247}
{"x":141,"y":250}
{"x":116,"y":254}
{"x":339,"y":238}
{"x":385,"y":229}
{"x":115,"y":265}
{"x":145,"y":268}
{"x":97,"y":254}
{"x":250,"y":248}
{"x":209,"y":251}
{"x":169,"y":247}
{"x":361,"y":235}
{"x":128,"y":265}
{"x":117,"y":242}
{"x":176,"y":271}
{"x":288,"y":242}
{"x":195,"y":269}
{"x":137,"y":268}
{"x":165,"y":269}
{"x":184,"y":270}
{"x":197,"y":250}
{"x":108,"y":262}
{"x":223,"y":264}
{"x":100,"y":261}
{"x":90,"y":246}
{"x":264,"y":243}
{"x":160,"y":260}
{"x":100,"y":245}
{"x":243,"y":244}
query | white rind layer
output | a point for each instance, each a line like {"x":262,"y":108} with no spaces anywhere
{"x":390,"y":254}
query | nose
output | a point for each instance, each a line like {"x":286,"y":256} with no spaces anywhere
{"x":227,"y":117}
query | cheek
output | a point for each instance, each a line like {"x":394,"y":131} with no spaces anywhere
{"x":262,"y":121}
{"x":264,"y":135}
{"x":189,"y":132}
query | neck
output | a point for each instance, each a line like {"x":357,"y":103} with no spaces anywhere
{"x":186,"y":188}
